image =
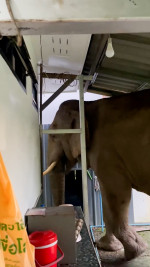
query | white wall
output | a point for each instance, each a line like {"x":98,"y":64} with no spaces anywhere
{"x":141,"y":204}
{"x":32,"y":51}
{"x":19,"y":138}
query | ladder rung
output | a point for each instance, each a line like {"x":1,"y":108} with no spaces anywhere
{"x":62,"y":131}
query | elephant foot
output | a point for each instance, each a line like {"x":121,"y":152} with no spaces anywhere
{"x":137,"y":248}
{"x":134,"y":245}
{"x":109,"y":243}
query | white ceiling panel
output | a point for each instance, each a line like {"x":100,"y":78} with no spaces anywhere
{"x":64,"y":53}
{"x":60,"y":54}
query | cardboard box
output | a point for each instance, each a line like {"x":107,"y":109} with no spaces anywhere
{"x":59,"y":219}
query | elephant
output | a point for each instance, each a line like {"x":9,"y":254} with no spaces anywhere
{"x":117,"y":149}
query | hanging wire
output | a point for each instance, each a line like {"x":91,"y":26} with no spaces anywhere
{"x":19,"y":37}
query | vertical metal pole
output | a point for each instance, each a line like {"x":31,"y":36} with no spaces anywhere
{"x":43,"y":179}
{"x":83,"y":154}
{"x":41,"y":85}
{"x":101,"y":207}
{"x":94,"y":198}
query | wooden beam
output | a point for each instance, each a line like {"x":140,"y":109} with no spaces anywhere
{"x":65,"y":76}
{"x":58,"y":76}
{"x":61,"y":89}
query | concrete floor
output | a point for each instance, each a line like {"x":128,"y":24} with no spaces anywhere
{"x":112,"y":259}
{"x":139,"y":262}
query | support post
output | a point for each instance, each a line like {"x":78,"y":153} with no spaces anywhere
{"x":41,"y":85}
{"x":83,"y":153}
{"x":43,"y":179}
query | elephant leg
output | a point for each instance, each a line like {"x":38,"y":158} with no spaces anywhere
{"x":118,"y":199}
{"x":108,"y":242}
{"x":57,"y":184}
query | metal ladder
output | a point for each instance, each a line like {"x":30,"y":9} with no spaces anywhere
{"x":70,"y":78}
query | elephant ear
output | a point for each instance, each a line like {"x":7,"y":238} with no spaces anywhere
{"x":75,"y":138}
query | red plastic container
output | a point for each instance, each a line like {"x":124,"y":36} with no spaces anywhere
{"x":45,"y":243}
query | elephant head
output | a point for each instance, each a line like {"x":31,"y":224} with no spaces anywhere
{"x":63,"y":149}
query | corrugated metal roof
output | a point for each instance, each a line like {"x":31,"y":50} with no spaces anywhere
{"x":127,"y":71}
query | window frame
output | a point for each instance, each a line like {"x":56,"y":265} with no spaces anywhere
{"x":18,"y":60}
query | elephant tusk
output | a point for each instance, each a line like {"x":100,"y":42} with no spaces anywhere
{"x":49,"y":169}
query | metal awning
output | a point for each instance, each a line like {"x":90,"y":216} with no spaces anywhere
{"x":127,"y":71}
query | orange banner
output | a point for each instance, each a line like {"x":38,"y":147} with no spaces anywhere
{"x":15,"y":248}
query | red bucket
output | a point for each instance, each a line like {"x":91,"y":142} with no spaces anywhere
{"x":45,"y":243}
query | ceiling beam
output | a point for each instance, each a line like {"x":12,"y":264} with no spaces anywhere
{"x":75,"y":16}
{"x":64,"y":76}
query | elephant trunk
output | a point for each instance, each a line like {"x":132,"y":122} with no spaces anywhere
{"x":57,"y":182}
{"x":57,"y":185}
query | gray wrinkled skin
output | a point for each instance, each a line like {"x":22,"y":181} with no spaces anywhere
{"x":118,"y":150}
